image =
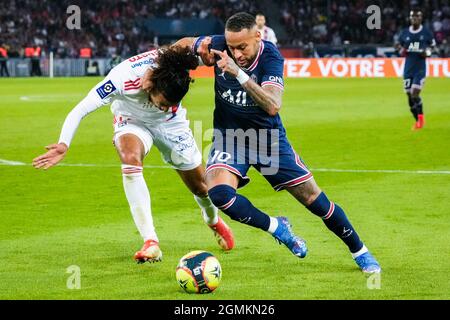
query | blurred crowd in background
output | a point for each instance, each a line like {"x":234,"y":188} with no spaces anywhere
{"x":333,"y":22}
{"x":117,"y":27}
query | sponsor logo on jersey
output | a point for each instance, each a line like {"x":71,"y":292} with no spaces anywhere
{"x":106,"y":89}
{"x":276,"y":79}
{"x":141,"y":63}
{"x":152,"y":53}
{"x":414,"y":47}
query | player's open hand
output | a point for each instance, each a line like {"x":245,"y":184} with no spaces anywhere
{"x":55,"y":153}
{"x":226,"y":63}
{"x":207,"y":57}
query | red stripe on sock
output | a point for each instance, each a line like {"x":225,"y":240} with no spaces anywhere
{"x":330,"y":212}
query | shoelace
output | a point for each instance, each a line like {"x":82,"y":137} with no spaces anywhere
{"x":295,"y":239}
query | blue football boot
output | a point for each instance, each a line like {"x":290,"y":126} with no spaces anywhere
{"x":367,"y":263}
{"x":284,"y":235}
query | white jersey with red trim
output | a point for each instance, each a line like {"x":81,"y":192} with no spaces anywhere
{"x":122,"y":88}
{"x":130,"y":99}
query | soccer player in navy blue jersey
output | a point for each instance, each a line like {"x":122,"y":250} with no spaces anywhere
{"x":416,"y":43}
{"x":249,"y":132}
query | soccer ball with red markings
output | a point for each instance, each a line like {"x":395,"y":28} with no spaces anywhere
{"x":199,"y":272}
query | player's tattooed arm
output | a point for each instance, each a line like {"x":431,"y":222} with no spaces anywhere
{"x":268,"y":98}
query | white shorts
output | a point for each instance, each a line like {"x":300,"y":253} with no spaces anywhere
{"x":173,"y":139}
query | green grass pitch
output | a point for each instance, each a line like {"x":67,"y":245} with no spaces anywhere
{"x":78,"y":215}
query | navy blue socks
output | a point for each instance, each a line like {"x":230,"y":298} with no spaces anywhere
{"x":238,"y":207}
{"x":335,"y":219}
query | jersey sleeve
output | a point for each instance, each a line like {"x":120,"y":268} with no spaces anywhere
{"x":273,"y":66}
{"x":401,"y":39}
{"x":272,"y":37}
{"x":217,"y":42}
{"x":102,"y":94}
{"x":431,"y":42}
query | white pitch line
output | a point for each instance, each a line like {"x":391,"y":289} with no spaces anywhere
{"x":94,"y":165}
{"x":441,"y":172}
{"x":52,"y":98}
{"x":107,"y":165}
{"x":383,"y":171}
{"x":11,"y":163}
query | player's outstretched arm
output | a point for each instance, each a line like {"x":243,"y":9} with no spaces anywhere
{"x":97,"y":97}
{"x":268,"y":98}
{"x":186,"y":42}
{"x":200,"y":47}
{"x":56,"y":152}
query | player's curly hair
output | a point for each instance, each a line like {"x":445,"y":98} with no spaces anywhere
{"x":171,"y":77}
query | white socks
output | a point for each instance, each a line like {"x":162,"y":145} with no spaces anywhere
{"x":139,"y":200}
{"x":360,"y":252}
{"x":273,"y":225}
{"x":209,"y":211}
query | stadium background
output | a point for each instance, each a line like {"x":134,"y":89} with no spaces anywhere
{"x":119,"y":29}
{"x":353,"y":133}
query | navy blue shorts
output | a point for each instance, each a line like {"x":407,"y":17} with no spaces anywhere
{"x":414,"y":80}
{"x":280,"y":164}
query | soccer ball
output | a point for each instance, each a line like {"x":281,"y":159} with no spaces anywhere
{"x":199,"y":272}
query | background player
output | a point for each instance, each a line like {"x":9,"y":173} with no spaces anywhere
{"x":248,"y":95}
{"x":266,"y":32}
{"x":416,"y":43}
{"x":145,"y":92}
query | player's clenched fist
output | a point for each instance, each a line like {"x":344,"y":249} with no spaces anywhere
{"x":55,"y":153}
{"x":203,"y":52}
{"x":226,"y":63}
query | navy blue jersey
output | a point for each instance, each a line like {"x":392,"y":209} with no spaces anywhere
{"x":415,"y":42}
{"x":272,"y":154}
{"x":234,"y":107}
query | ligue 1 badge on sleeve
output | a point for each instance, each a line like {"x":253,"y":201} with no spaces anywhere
{"x":106,"y":89}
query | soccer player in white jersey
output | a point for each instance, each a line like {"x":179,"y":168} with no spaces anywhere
{"x":266,"y":33}
{"x":145,"y":92}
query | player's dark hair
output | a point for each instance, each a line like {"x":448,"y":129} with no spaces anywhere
{"x":416,"y":11}
{"x":171,"y":78}
{"x":239,"y":21}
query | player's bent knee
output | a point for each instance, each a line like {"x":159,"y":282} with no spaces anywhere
{"x":218,"y":177}
{"x":312,"y":196}
{"x":222,"y":195}
{"x":415,"y":93}
{"x":306,"y":192}
{"x":131,"y":158}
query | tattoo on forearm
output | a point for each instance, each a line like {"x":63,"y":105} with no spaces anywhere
{"x":268,"y":98}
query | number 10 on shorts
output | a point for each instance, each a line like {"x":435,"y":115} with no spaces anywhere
{"x":220,"y":156}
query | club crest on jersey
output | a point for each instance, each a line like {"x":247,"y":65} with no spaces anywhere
{"x":106,"y":89}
